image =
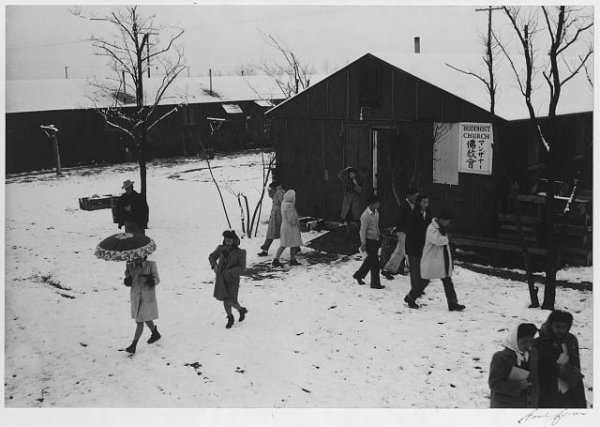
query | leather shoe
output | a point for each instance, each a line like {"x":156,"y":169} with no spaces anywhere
{"x":411,"y":303}
{"x":387,"y":275}
{"x":377,"y":287}
{"x":358,"y":279}
{"x":456,"y":307}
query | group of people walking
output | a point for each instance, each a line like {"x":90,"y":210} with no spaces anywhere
{"x":529,"y":372}
{"x":542,"y":372}
{"x":422,"y":239}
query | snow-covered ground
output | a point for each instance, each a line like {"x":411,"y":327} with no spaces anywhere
{"x":313,"y":338}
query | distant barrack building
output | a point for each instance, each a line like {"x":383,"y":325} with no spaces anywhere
{"x":85,"y":138}
{"x":380,"y":113}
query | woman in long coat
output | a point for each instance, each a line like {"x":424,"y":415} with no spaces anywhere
{"x":142,"y":277}
{"x":229,"y":262}
{"x":351,"y":211}
{"x":508,"y":390}
{"x":436,"y":262}
{"x":276,"y":193}
{"x":290,"y":229}
{"x":561,"y":381}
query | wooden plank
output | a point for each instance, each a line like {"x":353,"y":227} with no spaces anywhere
{"x":496,"y":244}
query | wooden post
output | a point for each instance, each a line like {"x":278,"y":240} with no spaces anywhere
{"x":51,"y":132}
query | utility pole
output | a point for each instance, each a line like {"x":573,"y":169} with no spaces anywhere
{"x":146,"y":39}
{"x":66,"y":72}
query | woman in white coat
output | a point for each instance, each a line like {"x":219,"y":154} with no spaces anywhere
{"x":290,"y":229}
{"x":142,"y":277}
{"x":436,"y":262}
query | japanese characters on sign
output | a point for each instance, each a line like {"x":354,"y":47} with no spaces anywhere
{"x":475,"y":140}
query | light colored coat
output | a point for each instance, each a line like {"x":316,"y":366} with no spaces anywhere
{"x":290,"y":223}
{"x":369,"y":226}
{"x":274,"y":230}
{"x":143,"y":296}
{"x":432,"y":261}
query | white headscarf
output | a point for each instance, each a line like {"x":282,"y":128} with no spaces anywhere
{"x":511,"y":343}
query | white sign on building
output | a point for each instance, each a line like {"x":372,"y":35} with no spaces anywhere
{"x":475,"y":141}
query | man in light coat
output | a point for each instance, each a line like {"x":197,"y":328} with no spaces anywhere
{"x":436,"y":262}
{"x":370,"y":241}
{"x":419,"y":220}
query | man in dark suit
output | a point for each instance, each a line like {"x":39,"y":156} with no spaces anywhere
{"x":132,"y":210}
{"x":415,"y":240}
{"x":396,"y":262}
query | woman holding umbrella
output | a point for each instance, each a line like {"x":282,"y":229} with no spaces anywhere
{"x":141,"y":276}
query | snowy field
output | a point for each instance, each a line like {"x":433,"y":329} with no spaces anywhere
{"x":312,"y":338}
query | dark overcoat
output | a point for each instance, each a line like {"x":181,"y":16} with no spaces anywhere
{"x":415,"y":232}
{"x":549,"y":349}
{"x":229,"y":264}
{"x":505,"y":393}
{"x":132,"y":207}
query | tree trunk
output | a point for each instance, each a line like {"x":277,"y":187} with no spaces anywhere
{"x":142,"y":162}
{"x":552,"y":256}
{"x":56,"y":155}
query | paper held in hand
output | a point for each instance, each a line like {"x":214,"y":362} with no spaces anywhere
{"x":518,"y":374}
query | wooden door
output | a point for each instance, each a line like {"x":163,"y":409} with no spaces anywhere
{"x":358,"y":152}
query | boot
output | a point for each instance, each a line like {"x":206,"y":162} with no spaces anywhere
{"x":276,"y":263}
{"x":131,"y":348}
{"x":294,"y":262}
{"x":358,"y":279}
{"x":454,"y":306}
{"x":243,"y":312}
{"x":263,"y":253}
{"x":229,"y":322}
{"x":411,"y":302}
{"x":155,"y":335}
{"x":387,"y":274}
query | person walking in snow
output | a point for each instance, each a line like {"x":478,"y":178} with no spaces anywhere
{"x":416,"y":229}
{"x":132,"y":210}
{"x":436,"y":262}
{"x":513,"y":377}
{"x":350,"y":213}
{"x":141,"y":276}
{"x":370,"y":241}
{"x":276,"y":193}
{"x":290,"y":229}
{"x":228,"y":262}
{"x":561,"y":381}
{"x":396,"y":262}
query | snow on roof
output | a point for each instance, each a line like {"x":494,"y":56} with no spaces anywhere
{"x":576,"y":97}
{"x":71,"y":94}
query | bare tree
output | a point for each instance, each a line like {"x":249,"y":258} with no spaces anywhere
{"x":565,"y":27}
{"x":291,"y":74}
{"x":490,"y":59}
{"x":137,"y":43}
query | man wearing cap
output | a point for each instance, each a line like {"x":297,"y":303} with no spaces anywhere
{"x":132,"y":210}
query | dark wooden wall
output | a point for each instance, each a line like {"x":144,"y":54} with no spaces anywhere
{"x":84,"y":137}
{"x":315,"y":131}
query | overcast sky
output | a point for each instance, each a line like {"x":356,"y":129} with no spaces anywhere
{"x":42,"y":39}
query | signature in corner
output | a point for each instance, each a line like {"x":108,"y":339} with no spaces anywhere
{"x":554,"y":417}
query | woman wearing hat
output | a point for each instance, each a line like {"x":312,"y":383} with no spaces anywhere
{"x":351,"y":204}
{"x":513,"y":377}
{"x":229,"y":262}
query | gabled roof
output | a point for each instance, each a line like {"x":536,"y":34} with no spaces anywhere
{"x":576,"y":97}
{"x":72,"y":94}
